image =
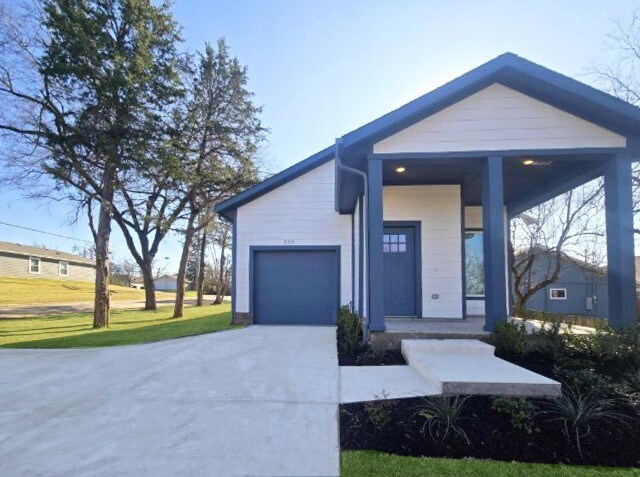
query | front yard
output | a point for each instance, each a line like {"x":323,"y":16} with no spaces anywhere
{"x":126,"y":327}
{"x":34,"y":291}
{"x":378,"y":464}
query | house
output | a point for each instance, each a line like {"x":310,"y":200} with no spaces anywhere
{"x":24,"y":261}
{"x":166,"y":283}
{"x":581,"y":288}
{"x":383,"y":220}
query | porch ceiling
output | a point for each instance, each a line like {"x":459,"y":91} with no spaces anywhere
{"x":524,"y":185}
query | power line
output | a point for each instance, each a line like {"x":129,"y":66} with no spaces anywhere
{"x":44,"y":232}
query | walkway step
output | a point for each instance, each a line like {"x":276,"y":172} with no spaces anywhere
{"x":370,"y":383}
{"x":470,"y":367}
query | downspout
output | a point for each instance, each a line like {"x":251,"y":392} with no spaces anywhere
{"x":363,"y":176}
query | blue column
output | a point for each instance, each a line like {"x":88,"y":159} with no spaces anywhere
{"x":495,"y":287}
{"x":620,"y":247}
{"x":375,"y":292}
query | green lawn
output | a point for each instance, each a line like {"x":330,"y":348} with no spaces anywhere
{"x":126,"y":327}
{"x":31,"y":291}
{"x":374,"y":464}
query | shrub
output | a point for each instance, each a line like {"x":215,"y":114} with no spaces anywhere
{"x":585,"y":381}
{"x":579,"y":411}
{"x":520,"y":411}
{"x":630,"y":388}
{"x":549,"y":341}
{"x":379,"y":411}
{"x":510,"y":340}
{"x":443,"y":417}
{"x":349,"y":330}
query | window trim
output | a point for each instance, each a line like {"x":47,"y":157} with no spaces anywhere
{"x":467,"y":230}
{"x":60,"y":262}
{"x":39,"y":265}
{"x":551,"y":297}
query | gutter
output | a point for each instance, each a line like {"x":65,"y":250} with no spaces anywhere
{"x":364,"y":178}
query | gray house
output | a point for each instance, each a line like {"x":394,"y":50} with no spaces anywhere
{"x":382,"y":219}
{"x":25,"y":261}
{"x":581,"y":288}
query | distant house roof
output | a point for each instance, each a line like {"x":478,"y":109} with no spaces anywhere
{"x":41,"y":252}
{"x":586,"y":266}
{"x":173,"y":277}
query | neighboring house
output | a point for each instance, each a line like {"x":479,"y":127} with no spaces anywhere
{"x":36,"y":262}
{"x":581,"y":288}
{"x":166,"y":283}
{"x":383,"y":220}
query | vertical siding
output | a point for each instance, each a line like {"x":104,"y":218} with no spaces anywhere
{"x":300,"y":211}
{"x":18,"y":266}
{"x":499,"y":118}
{"x":438,"y":208}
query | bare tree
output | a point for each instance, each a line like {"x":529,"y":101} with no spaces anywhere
{"x":126,"y":271}
{"x":570,"y":223}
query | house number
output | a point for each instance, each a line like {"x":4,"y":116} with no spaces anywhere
{"x":289,"y":241}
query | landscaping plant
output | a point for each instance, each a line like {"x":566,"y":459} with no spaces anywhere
{"x":520,"y":411}
{"x":578,"y":411}
{"x":379,"y":411}
{"x":510,"y":340}
{"x":349,"y":330}
{"x":443,"y":417}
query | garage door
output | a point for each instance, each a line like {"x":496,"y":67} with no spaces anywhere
{"x":295,"y":286}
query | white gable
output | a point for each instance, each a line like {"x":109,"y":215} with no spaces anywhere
{"x":498,"y":118}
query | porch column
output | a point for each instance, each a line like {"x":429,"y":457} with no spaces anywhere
{"x":620,"y":246}
{"x":375,"y":292}
{"x":493,"y":224}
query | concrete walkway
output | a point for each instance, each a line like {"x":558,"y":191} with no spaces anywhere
{"x":28,"y":311}
{"x":255,"y":401}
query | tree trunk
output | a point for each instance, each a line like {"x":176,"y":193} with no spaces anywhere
{"x":102,"y":238}
{"x":182,"y":271}
{"x":149,"y":287}
{"x":200,"y":277}
{"x":221,"y":288}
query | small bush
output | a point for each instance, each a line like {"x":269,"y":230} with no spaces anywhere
{"x":349,"y":330}
{"x":510,"y":340}
{"x":443,"y":417}
{"x":549,"y":341}
{"x":585,"y":381}
{"x":630,"y":388}
{"x":520,"y":411}
{"x":379,"y":411}
{"x":579,"y":411}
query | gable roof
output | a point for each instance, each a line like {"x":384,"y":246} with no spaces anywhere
{"x":507,"y":69}
{"x":41,"y":252}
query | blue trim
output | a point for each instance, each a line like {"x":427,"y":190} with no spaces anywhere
{"x":417,"y":247}
{"x":479,"y":154}
{"x":361,"y":257}
{"x":375,"y":290}
{"x":620,"y":241}
{"x":224,"y":208}
{"x":474,"y":298}
{"x":284,"y":248}
{"x":517,"y":73}
{"x":463,"y":251}
{"x":495,"y":290}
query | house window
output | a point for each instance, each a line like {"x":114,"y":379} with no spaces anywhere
{"x":474,"y":263}
{"x":558,"y":293}
{"x":34,"y":265}
{"x":394,"y":243}
{"x":63,"y":268}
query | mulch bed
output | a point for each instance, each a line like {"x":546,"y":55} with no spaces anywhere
{"x":491,"y":436}
{"x":367,"y":356}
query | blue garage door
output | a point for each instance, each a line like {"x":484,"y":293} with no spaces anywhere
{"x":295,"y":286}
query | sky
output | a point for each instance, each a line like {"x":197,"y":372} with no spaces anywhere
{"x":321,"y":68}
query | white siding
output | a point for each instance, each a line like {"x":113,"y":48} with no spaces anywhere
{"x":499,"y":118}
{"x":437,"y":207}
{"x":301,"y":211}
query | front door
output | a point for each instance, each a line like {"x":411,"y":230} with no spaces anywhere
{"x":398,"y":247}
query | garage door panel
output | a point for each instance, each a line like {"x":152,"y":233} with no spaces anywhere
{"x":295,"y":286}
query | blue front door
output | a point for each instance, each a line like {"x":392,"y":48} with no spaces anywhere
{"x":398,"y":247}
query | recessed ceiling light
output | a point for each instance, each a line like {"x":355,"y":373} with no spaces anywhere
{"x":528,"y":162}
{"x":401,"y":169}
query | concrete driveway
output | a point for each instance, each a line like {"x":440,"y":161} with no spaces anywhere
{"x":252,"y":401}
